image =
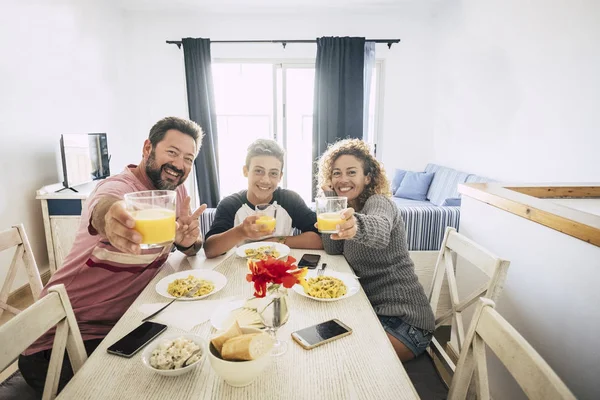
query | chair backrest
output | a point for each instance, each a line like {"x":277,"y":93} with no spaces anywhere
{"x":16,"y":237}
{"x":454,"y":246}
{"x":25,"y":328}
{"x":531,"y":372}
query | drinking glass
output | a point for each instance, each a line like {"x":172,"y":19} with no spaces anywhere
{"x":266,"y":217}
{"x":328,"y":213}
{"x":154,"y":215}
{"x":274,"y":312}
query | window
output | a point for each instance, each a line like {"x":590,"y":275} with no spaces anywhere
{"x":270,"y":100}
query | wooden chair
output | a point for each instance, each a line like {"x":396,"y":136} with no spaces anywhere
{"x":16,"y":237}
{"x":21,"y":331}
{"x":531,"y":372}
{"x":455,"y":246}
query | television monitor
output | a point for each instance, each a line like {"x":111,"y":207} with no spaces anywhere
{"x":84,"y":157}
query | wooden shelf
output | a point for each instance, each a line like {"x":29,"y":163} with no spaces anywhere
{"x":529,"y":201}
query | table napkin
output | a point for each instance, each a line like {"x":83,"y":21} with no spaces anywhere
{"x":184,"y":315}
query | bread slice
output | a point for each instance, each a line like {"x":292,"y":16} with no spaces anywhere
{"x":233,"y":331}
{"x":247,"y":347}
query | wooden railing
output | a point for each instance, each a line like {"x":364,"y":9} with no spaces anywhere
{"x":530,"y":202}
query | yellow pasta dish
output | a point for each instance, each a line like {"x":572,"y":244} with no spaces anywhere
{"x":179,"y":287}
{"x":262,"y":252}
{"x":325,"y":287}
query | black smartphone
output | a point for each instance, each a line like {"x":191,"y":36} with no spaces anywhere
{"x":135,"y":340}
{"x":322,"y":333}
{"x":309,"y":260}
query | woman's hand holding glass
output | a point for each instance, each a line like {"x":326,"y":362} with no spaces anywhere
{"x":347,"y":229}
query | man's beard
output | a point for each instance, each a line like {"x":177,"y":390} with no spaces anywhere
{"x":154,"y":172}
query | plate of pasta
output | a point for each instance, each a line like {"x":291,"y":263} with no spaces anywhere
{"x":261,"y":250}
{"x":331,"y":286}
{"x":205,"y":282}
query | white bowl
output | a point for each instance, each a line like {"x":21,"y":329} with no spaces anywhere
{"x":179,"y":371}
{"x":238,"y":373}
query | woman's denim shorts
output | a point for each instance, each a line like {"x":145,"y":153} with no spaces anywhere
{"x":415,"y":339}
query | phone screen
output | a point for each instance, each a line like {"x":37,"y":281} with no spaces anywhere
{"x":321,"y":332}
{"x":131,"y":343}
{"x":309,"y":260}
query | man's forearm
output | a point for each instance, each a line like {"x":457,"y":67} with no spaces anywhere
{"x":97,"y":219}
{"x":192,"y":250}
{"x":222,"y":242}
{"x":306,"y":240}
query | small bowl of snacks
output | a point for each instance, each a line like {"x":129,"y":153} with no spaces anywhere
{"x":176,"y":354}
{"x":240,"y":354}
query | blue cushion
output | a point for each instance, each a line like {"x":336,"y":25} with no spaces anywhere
{"x":398,"y":177}
{"x":452,"y":202}
{"x":445,"y":183}
{"x":478,"y":179}
{"x":414,"y":186}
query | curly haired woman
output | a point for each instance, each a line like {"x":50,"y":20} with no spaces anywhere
{"x":373,"y":240}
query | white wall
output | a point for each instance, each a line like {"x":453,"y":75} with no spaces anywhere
{"x":57,"y":75}
{"x":156,"y":82}
{"x":517,"y":89}
{"x":591,"y":206}
{"x":551,"y":295}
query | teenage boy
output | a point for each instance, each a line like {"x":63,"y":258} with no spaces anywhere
{"x":235,"y":218}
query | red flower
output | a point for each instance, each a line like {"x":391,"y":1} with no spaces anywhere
{"x":274,"y":271}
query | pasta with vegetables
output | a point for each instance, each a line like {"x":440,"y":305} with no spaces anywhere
{"x":326,"y":287}
{"x":180,"y":287}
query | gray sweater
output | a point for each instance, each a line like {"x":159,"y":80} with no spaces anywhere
{"x":378,"y":254}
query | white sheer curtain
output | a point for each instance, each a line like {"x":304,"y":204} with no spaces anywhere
{"x":367,"y":75}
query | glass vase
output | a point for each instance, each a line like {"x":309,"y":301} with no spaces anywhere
{"x":274,"y":312}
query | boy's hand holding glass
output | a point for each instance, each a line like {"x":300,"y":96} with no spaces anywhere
{"x":249,"y":228}
{"x":266,"y":221}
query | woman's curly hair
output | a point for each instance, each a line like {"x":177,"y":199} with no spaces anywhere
{"x":355,"y":147}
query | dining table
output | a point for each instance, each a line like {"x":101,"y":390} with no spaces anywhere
{"x":362,"y":365}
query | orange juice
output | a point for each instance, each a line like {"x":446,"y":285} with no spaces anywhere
{"x":156,"y":225}
{"x":327,"y":222}
{"x":266,"y":223}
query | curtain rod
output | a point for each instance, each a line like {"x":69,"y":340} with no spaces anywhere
{"x":285,"y":42}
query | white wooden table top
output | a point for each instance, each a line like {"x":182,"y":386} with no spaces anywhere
{"x":362,"y":365}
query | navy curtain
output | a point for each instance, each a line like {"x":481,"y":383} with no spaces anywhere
{"x":339,"y":92}
{"x":201,"y":105}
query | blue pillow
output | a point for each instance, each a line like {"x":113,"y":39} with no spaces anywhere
{"x":415,"y":185}
{"x":398,"y":177}
{"x":452,"y":202}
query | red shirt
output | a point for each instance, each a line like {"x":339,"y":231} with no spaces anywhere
{"x":101,"y":281}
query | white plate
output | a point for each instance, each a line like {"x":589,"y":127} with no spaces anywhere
{"x":352,"y":285}
{"x":280,"y":247}
{"x":216,"y":278}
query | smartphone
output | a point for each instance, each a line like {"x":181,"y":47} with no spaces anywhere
{"x":135,"y":340}
{"x":322,"y":333}
{"x":309,"y":260}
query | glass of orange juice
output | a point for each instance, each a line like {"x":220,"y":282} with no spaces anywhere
{"x":266,"y":217}
{"x":328,"y":213}
{"x":154,"y":215}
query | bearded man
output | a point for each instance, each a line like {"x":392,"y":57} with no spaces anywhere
{"x":106,"y":269}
